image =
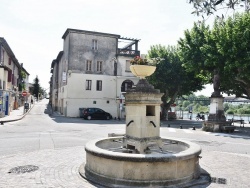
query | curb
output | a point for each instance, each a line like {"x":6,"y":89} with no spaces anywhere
{"x":17,"y":119}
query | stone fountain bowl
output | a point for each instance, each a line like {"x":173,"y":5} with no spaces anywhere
{"x":111,"y":165}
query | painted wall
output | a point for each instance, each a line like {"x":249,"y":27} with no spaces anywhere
{"x":2,"y":78}
{"x":78,"y":97}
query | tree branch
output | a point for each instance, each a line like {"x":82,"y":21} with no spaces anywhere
{"x":241,"y":81}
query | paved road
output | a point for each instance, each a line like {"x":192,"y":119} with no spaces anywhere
{"x":55,"y":145}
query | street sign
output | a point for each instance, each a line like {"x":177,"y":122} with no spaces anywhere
{"x":24,"y":93}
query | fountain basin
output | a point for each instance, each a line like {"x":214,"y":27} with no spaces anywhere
{"x":110,"y":164}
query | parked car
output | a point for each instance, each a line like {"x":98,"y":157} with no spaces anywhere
{"x":95,"y":113}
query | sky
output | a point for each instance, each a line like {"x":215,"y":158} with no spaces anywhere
{"x":34,"y":28}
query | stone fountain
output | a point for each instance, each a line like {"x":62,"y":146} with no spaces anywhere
{"x":141,"y":158}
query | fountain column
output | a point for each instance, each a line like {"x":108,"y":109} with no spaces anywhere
{"x":142,"y":117}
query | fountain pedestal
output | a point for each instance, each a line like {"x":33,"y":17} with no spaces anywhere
{"x":216,"y":120}
{"x":216,"y":111}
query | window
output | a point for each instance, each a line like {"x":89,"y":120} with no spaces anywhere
{"x":98,"y":85}
{"x":127,"y":84}
{"x":9,"y":75}
{"x":88,"y":84}
{"x":127,"y":65}
{"x":2,"y":56}
{"x":88,"y":65}
{"x":9,"y":61}
{"x":94,"y":44}
{"x":99,"y":66}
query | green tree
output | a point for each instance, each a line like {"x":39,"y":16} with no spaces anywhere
{"x":203,"y":109}
{"x":226,"y":106}
{"x":196,"y":107}
{"x":170,"y":77}
{"x":225,"y":47}
{"x":36,"y":87}
{"x":208,"y":7}
{"x":186,"y":104}
{"x":230,"y":111}
{"x":22,"y":77}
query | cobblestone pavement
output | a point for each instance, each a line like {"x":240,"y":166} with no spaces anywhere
{"x":227,"y":170}
{"x":57,"y":168}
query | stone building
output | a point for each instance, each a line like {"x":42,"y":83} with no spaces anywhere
{"x":10,"y":80}
{"x":92,"y":71}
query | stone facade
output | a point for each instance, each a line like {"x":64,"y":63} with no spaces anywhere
{"x":10,"y":69}
{"x":91,"y":71}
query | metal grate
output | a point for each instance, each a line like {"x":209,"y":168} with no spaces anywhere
{"x":23,"y":169}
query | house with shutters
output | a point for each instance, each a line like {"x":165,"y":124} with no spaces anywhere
{"x":92,"y":70}
{"x":10,"y":79}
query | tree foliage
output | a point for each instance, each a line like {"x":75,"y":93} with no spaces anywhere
{"x":22,"y":77}
{"x":170,"y":77}
{"x":225,"y":47}
{"x":196,"y":103}
{"x":237,"y":109}
{"x":208,"y":7}
{"x":36,"y":87}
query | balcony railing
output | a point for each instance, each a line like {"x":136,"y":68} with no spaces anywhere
{"x":126,"y":52}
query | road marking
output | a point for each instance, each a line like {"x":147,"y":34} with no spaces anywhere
{"x":172,"y":129}
{"x":187,"y":131}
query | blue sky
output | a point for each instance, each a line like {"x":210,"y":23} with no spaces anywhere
{"x":34,"y":28}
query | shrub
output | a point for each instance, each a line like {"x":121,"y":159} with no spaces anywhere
{"x":230,"y":111}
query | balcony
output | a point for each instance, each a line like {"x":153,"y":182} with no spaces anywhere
{"x":127,"y":52}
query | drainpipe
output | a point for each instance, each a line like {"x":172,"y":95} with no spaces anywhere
{"x":116,"y":77}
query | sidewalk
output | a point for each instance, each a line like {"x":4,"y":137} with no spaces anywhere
{"x":189,"y":124}
{"x":15,"y":115}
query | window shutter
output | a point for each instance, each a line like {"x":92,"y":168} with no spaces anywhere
{"x":9,"y":75}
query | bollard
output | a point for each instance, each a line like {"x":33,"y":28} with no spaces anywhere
{"x":180,"y":126}
{"x":193,"y":127}
{"x":168,"y":125}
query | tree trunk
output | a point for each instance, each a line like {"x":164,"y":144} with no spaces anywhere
{"x":166,"y":105}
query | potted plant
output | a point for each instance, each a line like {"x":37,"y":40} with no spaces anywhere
{"x":137,"y":60}
{"x":143,"y":67}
